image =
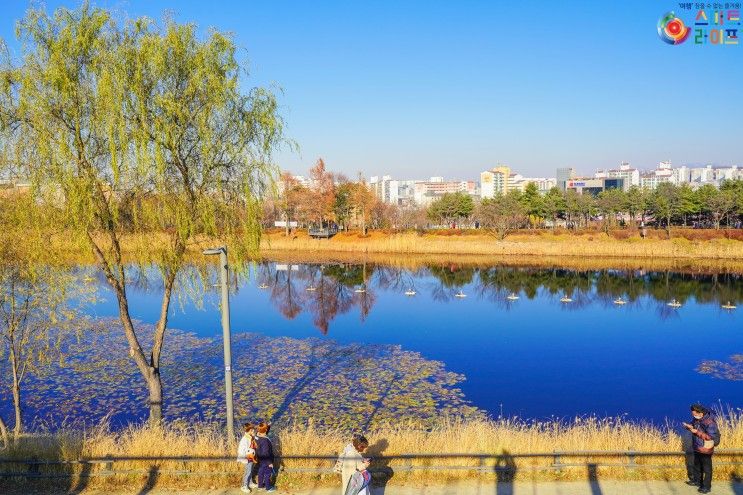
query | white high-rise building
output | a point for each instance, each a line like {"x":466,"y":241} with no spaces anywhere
{"x":681,"y":174}
{"x":702,"y":174}
{"x":627,"y":172}
{"x":495,"y":181}
{"x":385,"y":188}
{"x":726,"y":173}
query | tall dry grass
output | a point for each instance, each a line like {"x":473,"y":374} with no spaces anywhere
{"x":504,"y":437}
{"x":526,"y":245}
{"x":691,"y":246}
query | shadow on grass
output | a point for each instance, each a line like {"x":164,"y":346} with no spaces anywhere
{"x":44,"y":474}
{"x":380,"y":468}
{"x":150,"y":482}
{"x":736,"y":483}
{"x":505,"y":473}
{"x":593,"y":479}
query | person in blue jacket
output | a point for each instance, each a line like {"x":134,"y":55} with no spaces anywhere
{"x":264,"y":453}
{"x":706,"y":435}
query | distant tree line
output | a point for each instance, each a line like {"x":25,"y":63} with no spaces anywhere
{"x":353,"y":204}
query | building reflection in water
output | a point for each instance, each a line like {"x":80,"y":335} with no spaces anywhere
{"x":328,"y":290}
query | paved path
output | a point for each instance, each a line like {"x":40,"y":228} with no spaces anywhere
{"x":520,"y":488}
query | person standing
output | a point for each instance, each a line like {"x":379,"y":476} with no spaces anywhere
{"x":246,"y":456}
{"x":264,"y":453}
{"x":351,"y":461}
{"x":706,"y":435}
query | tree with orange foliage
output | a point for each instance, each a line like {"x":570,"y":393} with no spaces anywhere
{"x":363,"y":200}
{"x":291,"y":192}
{"x":323,"y":192}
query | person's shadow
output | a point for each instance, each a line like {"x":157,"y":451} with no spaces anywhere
{"x":505,"y":473}
{"x":34,"y":478}
{"x":379,"y":468}
{"x":593,"y":479}
{"x":736,"y":483}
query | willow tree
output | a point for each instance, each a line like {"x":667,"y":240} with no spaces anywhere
{"x":141,"y":136}
{"x":35,"y":314}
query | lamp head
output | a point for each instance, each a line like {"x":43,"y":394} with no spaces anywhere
{"x":213,"y":251}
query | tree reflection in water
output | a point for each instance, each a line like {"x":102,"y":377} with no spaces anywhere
{"x":334,"y":287}
{"x":289,"y":381}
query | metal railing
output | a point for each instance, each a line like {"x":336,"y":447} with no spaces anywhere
{"x":482,"y":463}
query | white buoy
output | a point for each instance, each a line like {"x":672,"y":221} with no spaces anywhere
{"x":360,"y":290}
{"x":729,"y":305}
{"x":566,"y":299}
{"x":410,"y":292}
{"x":460,"y":294}
{"x":263,"y":286}
{"x":619,"y":301}
{"x":512,"y":296}
{"x":674,"y":303}
{"x":311,"y":288}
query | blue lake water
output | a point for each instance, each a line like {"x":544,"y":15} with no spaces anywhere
{"x":535,"y":357}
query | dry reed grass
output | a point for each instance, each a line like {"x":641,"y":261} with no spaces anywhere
{"x":504,"y":437}
{"x":588,"y":250}
{"x":520,"y":244}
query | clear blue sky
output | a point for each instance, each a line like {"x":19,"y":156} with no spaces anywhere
{"x":421,"y":88}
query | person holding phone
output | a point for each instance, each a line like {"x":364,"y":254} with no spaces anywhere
{"x":705,"y":435}
{"x":351,"y":461}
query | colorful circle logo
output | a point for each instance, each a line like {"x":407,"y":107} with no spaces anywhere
{"x":672,"y":30}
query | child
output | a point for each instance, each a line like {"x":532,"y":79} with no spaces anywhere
{"x":246,"y":455}
{"x":264,"y":453}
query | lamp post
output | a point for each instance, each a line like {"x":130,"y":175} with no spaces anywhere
{"x":226,"y":337}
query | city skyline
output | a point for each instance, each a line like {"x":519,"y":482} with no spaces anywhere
{"x":443,"y":89}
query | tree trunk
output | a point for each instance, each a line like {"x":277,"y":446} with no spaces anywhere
{"x":286,"y":227}
{"x":4,"y":433}
{"x":668,"y":227}
{"x":16,"y":389}
{"x":150,"y":371}
{"x":155,"y":387}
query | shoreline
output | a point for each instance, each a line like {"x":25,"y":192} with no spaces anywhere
{"x":587,"y":250}
{"x":419,"y":260}
{"x":542,"y":249}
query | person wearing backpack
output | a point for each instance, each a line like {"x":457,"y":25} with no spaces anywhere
{"x":246,"y":455}
{"x":706,"y":436}
{"x":264,"y":453}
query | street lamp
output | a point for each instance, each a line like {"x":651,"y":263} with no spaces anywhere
{"x":226,"y":337}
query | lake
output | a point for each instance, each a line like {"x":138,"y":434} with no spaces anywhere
{"x":534,"y":356}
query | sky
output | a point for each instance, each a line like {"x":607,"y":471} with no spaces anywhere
{"x":450,"y":88}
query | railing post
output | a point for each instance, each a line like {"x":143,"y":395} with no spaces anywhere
{"x":33,"y":468}
{"x":632,"y":460}
{"x":556,"y":461}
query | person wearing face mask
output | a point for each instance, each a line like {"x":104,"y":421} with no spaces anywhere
{"x":705,"y":436}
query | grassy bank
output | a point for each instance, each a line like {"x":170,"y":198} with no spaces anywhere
{"x":684,"y":244}
{"x":502,"y":437}
{"x":687,"y":251}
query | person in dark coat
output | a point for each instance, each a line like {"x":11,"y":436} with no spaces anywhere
{"x":705,"y":434}
{"x":264,"y":453}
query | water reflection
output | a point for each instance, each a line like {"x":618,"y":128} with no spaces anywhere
{"x":328,"y":290}
{"x":513,"y":338}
